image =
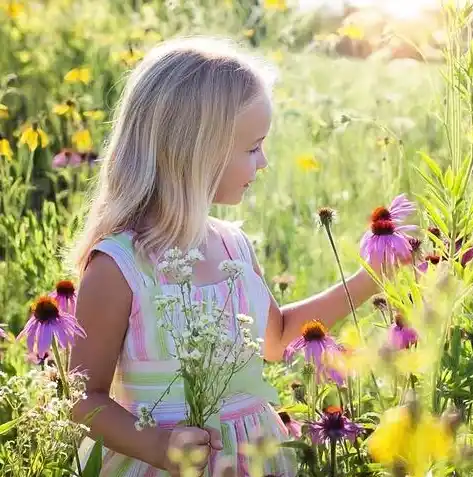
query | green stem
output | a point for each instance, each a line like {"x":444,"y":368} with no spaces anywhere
{"x":66,"y":390}
{"x":345,"y":286}
{"x":333,"y":457}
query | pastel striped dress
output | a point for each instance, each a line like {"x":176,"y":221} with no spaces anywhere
{"x":145,"y":366}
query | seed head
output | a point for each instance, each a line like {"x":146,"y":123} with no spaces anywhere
{"x":327,"y":216}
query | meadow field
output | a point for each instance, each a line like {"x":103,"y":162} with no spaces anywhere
{"x":347,"y":134}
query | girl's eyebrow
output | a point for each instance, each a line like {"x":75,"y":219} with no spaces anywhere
{"x":260,"y":139}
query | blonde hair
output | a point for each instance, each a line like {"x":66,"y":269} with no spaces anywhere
{"x":171,"y":140}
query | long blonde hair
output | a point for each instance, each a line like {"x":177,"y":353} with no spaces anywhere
{"x":171,"y":140}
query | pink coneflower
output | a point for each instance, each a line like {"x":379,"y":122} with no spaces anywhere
{"x":399,"y":210}
{"x":316,"y":343}
{"x":46,"y":322}
{"x":65,"y":295}
{"x":386,"y":242}
{"x":294,"y":427}
{"x":66,"y":157}
{"x":333,"y":426}
{"x":401,"y":336}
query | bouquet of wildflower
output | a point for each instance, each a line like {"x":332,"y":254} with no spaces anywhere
{"x":211,"y":344}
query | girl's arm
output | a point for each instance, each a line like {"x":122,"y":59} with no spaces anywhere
{"x":103,"y":307}
{"x":285,"y":323}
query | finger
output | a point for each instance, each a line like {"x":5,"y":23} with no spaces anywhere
{"x":200,"y":436}
{"x":215,"y":438}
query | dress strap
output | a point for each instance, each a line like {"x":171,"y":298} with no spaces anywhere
{"x":234,"y":241}
{"x":120,"y":248}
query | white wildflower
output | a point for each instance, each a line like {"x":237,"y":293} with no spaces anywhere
{"x":245,"y":319}
{"x":195,"y":354}
{"x":172,"y":254}
{"x":194,"y":255}
{"x":234,"y":268}
{"x":139,"y":426}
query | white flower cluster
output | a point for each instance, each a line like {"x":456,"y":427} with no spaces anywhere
{"x":234,"y":268}
{"x":210,"y":344}
{"x":178,"y":265}
{"x":145,"y":419}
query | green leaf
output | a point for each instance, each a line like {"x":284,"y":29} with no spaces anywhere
{"x":434,"y":215}
{"x":94,"y":463}
{"x":433,"y":166}
{"x":8,"y":426}
{"x":448,"y":178}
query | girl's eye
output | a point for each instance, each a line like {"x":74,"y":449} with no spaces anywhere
{"x":255,"y":150}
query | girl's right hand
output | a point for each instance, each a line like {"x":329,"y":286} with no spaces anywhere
{"x":189,"y":438}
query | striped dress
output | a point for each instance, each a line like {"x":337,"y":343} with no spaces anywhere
{"x":145,"y":366}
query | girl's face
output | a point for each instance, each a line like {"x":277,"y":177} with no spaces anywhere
{"x":248,"y":156}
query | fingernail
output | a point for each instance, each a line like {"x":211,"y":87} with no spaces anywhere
{"x":219,"y":443}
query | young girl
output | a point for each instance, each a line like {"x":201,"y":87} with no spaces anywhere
{"x":188,"y":133}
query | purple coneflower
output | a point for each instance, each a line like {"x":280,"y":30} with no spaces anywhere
{"x":399,"y":210}
{"x":66,"y":157}
{"x":400,"y":335}
{"x":294,"y":427}
{"x":386,"y":242}
{"x":65,"y":295}
{"x":46,"y":322}
{"x":333,"y":426}
{"x":316,"y":343}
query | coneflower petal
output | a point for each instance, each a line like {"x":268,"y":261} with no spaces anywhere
{"x":291,"y":349}
{"x":31,"y":331}
{"x":61,"y":336}
{"x":45,"y":337}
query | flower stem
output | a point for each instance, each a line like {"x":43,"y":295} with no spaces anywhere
{"x":333,"y":457}
{"x":345,"y":286}
{"x":66,"y":390}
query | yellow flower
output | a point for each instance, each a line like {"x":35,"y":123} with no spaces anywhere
{"x":351,"y":31}
{"x":3,"y":111}
{"x":277,"y":56}
{"x":77,"y":75}
{"x":249,"y":32}
{"x":13,"y":9}
{"x":33,"y":136}
{"x":5,"y":149}
{"x":414,"y":441}
{"x":278,"y":5}
{"x":95,"y":114}
{"x":308,"y":162}
{"x":67,"y":109}
{"x":130,"y":57}
{"x":82,"y":140}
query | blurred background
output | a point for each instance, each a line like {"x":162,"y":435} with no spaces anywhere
{"x":359,"y":93}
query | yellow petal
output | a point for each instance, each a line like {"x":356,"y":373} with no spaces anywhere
{"x":278,"y":5}
{"x":13,"y":9}
{"x":61,"y":109}
{"x":30,"y":138}
{"x":3,"y":111}
{"x":44,"y":138}
{"x":5,"y":149}
{"x":77,"y":75}
{"x":96,"y":114}
{"x":352,"y":31}
{"x":308,"y":162}
{"x":82,"y":140}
